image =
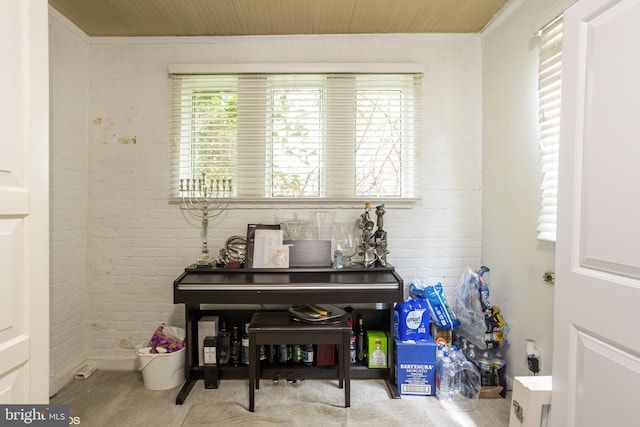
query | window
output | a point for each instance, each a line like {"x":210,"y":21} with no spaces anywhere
{"x":336,"y":136}
{"x":549,"y":82}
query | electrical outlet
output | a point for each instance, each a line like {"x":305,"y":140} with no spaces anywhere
{"x":533,"y":357}
{"x":539,"y":356}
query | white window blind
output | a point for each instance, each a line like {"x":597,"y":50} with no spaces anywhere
{"x":327,"y":136}
{"x":549,"y":82}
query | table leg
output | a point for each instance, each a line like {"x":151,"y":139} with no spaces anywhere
{"x":252,"y":372}
{"x":346,"y":361}
{"x":257,"y":368}
{"x":184,"y":391}
{"x":342,"y":351}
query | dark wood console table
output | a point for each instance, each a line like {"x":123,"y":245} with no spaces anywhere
{"x":380,"y":286}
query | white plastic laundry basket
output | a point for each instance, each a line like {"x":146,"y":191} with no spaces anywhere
{"x":161,"y":371}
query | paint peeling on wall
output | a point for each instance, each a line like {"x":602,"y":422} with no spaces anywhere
{"x":125,"y":141}
{"x":102,"y":326}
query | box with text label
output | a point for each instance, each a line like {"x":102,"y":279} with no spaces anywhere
{"x":416,"y":367}
{"x":207,"y":327}
{"x":378,"y":349}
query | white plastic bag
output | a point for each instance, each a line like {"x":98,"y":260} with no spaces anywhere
{"x":469,"y":310}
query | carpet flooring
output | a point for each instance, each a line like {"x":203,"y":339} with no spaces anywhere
{"x":118,"y":398}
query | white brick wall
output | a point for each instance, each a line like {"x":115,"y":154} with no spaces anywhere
{"x":69,"y":269}
{"x":138,"y":243}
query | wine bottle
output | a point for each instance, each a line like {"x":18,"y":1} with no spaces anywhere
{"x":223,"y":345}
{"x":362,"y":346}
{"x":245,"y":345}
{"x":234,"y":349}
{"x":307,"y":354}
{"x":353,"y":350}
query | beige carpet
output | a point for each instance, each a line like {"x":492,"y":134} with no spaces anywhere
{"x":119,"y":399}
{"x":321,"y":402}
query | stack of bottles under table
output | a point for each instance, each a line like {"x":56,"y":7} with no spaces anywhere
{"x":232,"y":349}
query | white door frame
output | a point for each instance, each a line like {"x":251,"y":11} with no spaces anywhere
{"x":24,"y":202}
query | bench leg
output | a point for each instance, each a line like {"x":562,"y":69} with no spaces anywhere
{"x":341,"y":359}
{"x":257,"y":359}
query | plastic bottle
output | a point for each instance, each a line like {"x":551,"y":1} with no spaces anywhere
{"x":439,"y":352}
{"x":456,"y":366}
{"x":441,"y":342}
{"x":466,"y":399}
{"x":463,"y":345}
{"x":338,"y":258}
{"x":471,"y":353}
{"x":487,"y":376}
{"x":444,"y":381}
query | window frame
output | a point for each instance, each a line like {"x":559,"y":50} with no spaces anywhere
{"x":549,"y":99}
{"x":309,"y":69}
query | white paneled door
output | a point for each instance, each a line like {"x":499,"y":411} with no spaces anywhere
{"x":24,"y":202}
{"x":596,"y":364}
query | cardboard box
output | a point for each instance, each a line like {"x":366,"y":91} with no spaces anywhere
{"x":497,"y":391}
{"x":207,"y":327}
{"x":375,"y":359}
{"x":445,"y":334}
{"x":416,"y":367}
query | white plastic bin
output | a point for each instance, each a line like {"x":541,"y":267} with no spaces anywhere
{"x":161,"y":371}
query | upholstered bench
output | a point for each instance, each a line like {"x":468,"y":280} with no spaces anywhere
{"x":280,"y":328}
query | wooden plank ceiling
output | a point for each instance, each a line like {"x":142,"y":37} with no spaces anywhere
{"x":122,"y":18}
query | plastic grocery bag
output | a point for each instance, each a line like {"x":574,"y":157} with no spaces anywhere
{"x":480,"y":321}
{"x":469,"y":308}
{"x":441,"y":313}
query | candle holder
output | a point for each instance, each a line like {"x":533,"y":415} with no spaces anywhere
{"x":203,"y":199}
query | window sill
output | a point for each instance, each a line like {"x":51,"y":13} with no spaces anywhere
{"x":300,"y":202}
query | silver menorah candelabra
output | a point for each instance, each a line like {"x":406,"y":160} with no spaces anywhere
{"x":203,"y":199}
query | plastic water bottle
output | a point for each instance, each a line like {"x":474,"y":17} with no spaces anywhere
{"x":487,"y":371}
{"x":471,"y":353}
{"x":444,"y":378}
{"x":439,"y":352}
{"x":457,"y":360}
{"x":467,"y":388}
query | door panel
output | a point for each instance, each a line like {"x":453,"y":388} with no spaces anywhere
{"x":603,"y":368}
{"x":11,"y":278}
{"x":611,"y":79}
{"x":596,"y":345}
{"x":12,"y":90}
{"x":12,"y":386}
{"x":24,"y":197}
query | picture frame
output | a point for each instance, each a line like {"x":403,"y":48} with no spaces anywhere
{"x":251,"y":241}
